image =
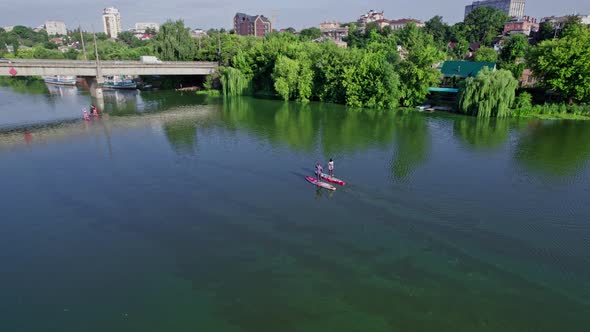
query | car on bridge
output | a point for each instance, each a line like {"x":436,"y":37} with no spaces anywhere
{"x":4,"y":60}
{"x":148,"y":59}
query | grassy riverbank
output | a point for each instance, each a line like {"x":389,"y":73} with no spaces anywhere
{"x":554,"y":112}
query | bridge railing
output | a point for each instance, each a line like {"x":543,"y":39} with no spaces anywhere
{"x":40,"y":62}
{"x":46,"y":61}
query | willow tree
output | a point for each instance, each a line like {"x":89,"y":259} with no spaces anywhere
{"x":174,"y":42}
{"x":233,"y":81}
{"x":490,"y":93}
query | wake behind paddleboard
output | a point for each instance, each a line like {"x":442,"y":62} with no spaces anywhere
{"x":333,"y":179}
{"x":320,"y":183}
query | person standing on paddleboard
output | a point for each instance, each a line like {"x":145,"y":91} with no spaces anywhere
{"x":318,"y":171}
{"x":331,"y":167}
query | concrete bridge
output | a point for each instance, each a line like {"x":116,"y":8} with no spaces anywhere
{"x":95,"y":71}
{"x":38,"y":67}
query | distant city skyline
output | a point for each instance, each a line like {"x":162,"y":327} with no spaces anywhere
{"x":208,"y":14}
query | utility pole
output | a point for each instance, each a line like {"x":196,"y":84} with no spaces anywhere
{"x":82,"y":39}
{"x":275,"y":13}
{"x":557,"y":28}
{"x":96,"y":86}
{"x":99,"y":77}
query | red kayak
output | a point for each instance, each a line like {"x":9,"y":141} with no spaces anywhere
{"x":320,"y":183}
{"x":333,"y":179}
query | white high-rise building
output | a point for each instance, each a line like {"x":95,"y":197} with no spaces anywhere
{"x":55,"y":28}
{"x":513,"y":8}
{"x":142,"y":26}
{"x":111,"y":22}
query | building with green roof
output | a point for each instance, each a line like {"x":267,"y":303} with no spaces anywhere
{"x":464,"y":69}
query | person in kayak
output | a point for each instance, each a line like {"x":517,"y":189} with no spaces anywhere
{"x":318,"y":171}
{"x":331,"y":167}
{"x":93,"y":110}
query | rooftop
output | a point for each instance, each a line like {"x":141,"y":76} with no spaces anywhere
{"x":405,"y":21}
{"x":464,"y":69}
{"x":251,"y":18}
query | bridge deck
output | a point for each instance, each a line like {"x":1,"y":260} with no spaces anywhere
{"x":35,"y":67}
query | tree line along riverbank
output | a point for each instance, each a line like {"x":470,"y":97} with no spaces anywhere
{"x":381,"y":68}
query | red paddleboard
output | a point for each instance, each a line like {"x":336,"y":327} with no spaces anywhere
{"x":333,"y":179}
{"x":320,"y":183}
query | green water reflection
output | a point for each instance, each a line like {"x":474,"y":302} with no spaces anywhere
{"x":412,"y":143}
{"x":556,"y":148}
{"x":182,"y":135}
{"x":553,"y":148}
{"x":24,"y":85}
{"x":481,"y":133}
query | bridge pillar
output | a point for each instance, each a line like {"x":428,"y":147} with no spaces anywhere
{"x":95,"y":86}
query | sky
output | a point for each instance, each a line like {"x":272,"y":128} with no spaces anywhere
{"x":207,"y":14}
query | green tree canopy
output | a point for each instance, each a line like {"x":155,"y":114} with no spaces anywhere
{"x":563,"y":65}
{"x":438,"y":29}
{"x":490,"y":93}
{"x":513,"y":53}
{"x":461,"y":48}
{"x":151,"y":31}
{"x":50,"y":45}
{"x":310,"y":33}
{"x":483,"y":24}
{"x":486,"y":54}
{"x":514,"y":48}
{"x":457,"y":32}
{"x":174,"y":42}
{"x":233,"y":82}
{"x":523,"y":101}
{"x":572,"y":25}
{"x":546,"y":31}
{"x":129,"y":38}
{"x":549,"y":30}
{"x":71,"y":54}
{"x":417,"y":71}
{"x":293,"y":78}
{"x":102,"y":36}
{"x":21,"y":35}
{"x":372,"y":82}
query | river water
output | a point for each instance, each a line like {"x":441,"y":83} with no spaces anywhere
{"x":180,"y":212}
